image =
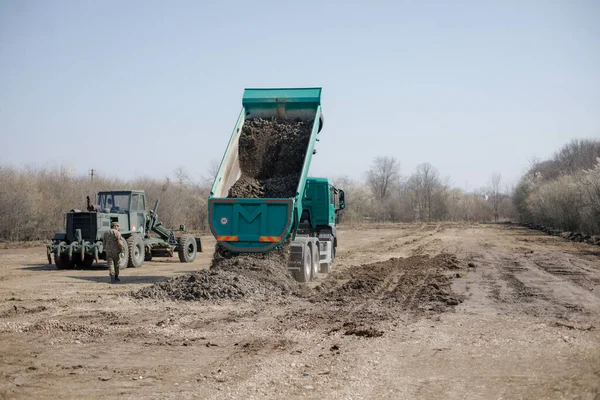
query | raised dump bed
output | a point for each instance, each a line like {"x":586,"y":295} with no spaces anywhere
{"x":255,"y":201}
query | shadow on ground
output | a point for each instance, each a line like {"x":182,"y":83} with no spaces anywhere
{"x":125,"y":280}
{"x":52,"y":267}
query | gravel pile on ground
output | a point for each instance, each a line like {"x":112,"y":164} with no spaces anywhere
{"x":230,"y":276}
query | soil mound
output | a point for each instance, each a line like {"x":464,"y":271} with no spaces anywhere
{"x":231,"y":276}
{"x":366,"y":300}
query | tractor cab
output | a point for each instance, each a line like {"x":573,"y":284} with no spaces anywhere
{"x":121,"y":201}
{"x":127,"y":207}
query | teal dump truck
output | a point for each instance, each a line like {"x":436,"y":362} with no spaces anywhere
{"x":307,"y":219}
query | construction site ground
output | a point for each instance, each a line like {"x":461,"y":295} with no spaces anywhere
{"x":469,"y":311}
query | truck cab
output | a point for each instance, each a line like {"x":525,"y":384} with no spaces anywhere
{"x":321,"y":203}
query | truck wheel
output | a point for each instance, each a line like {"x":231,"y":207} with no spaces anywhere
{"x":315,"y":262}
{"x":303,"y":275}
{"x":125,"y":259}
{"x":62,"y":262}
{"x":135,"y":244}
{"x":187,"y":248}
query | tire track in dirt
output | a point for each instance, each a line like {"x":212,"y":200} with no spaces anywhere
{"x":527,"y":278}
{"x":364,"y":299}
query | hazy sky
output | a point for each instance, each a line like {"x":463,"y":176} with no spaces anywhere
{"x":138,"y":88}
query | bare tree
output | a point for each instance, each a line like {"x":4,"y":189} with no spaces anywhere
{"x":383,"y":176}
{"x":496,"y":197}
{"x":425,"y":182}
{"x":211,"y":172}
{"x":181,"y":175}
{"x":577,"y":155}
{"x":343,"y":181}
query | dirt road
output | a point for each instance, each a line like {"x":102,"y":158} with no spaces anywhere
{"x":460,"y":311}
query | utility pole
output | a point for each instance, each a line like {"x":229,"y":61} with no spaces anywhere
{"x":92,"y":172}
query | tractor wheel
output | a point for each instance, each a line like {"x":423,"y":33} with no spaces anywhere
{"x":303,"y":275}
{"x":187,"y":248}
{"x":125,"y":255}
{"x":135,"y":243}
{"x":62,"y":262}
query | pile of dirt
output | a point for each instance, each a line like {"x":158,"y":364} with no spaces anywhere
{"x":271,"y":154}
{"x":231,"y":276}
{"x":572,"y":236}
{"x":365,"y":300}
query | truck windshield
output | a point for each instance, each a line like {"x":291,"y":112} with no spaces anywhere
{"x":114,"y":202}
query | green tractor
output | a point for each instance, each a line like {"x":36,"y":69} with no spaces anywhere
{"x":144,"y":236}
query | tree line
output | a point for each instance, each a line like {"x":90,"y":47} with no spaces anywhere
{"x":423,"y":196}
{"x":562,"y":192}
{"x":33,"y":201}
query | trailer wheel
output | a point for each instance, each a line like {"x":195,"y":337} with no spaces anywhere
{"x":187,"y":248}
{"x":62,"y":262}
{"x":136,"y":251}
{"x":303,"y":275}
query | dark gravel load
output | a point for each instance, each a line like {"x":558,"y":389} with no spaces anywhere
{"x":271,"y":153}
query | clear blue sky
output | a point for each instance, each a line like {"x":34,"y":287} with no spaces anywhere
{"x":138,"y":88}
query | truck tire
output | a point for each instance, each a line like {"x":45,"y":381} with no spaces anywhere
{"x":62,"y":262}
{"x":315,"y":262}
{"x":125,"y":259}
{"x":187,"y":248}
{"x":135,"y":244}
{"x":303,"y":275}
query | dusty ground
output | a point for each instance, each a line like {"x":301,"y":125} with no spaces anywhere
{"x":528,"y":325}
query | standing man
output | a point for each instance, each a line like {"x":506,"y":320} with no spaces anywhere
{"x":113,"y":246}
